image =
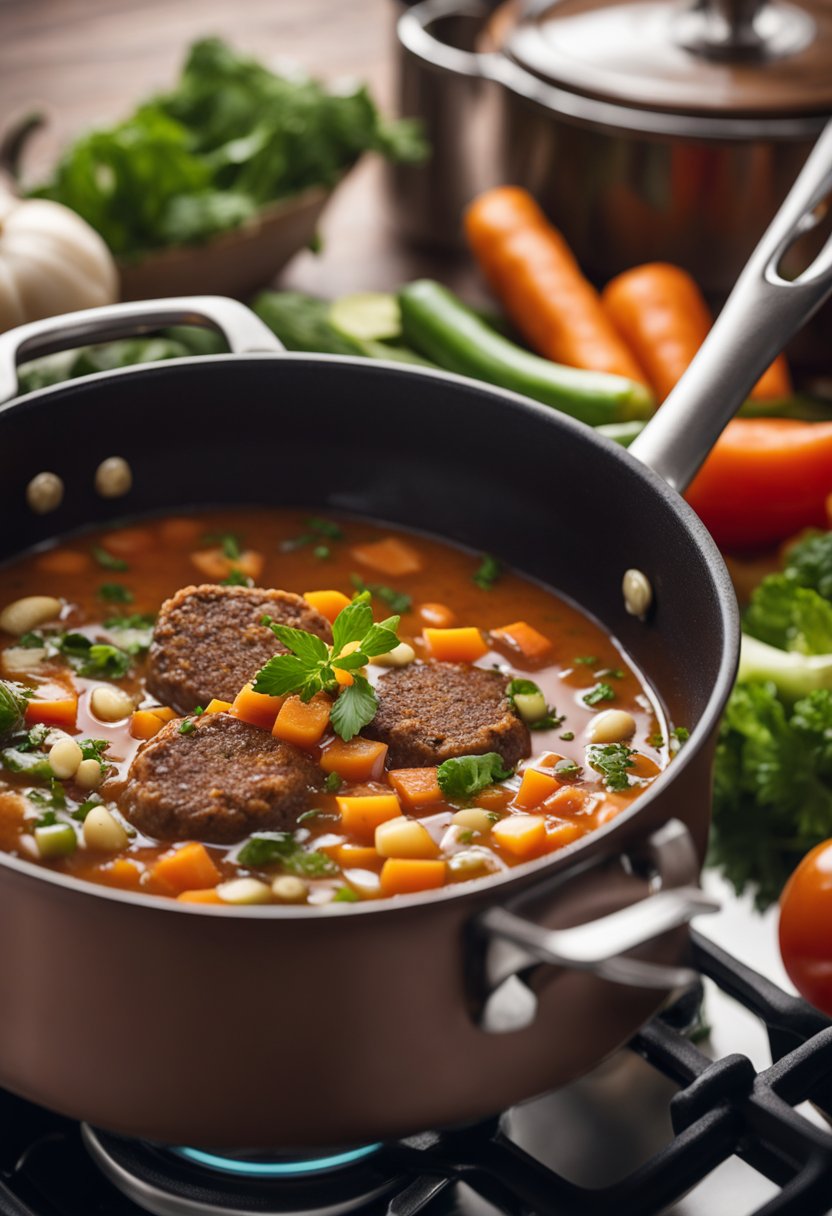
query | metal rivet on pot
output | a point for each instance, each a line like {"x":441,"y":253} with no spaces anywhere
{"x":638,"y":593}
{"x":113,"y":477}
{"x":45,"y":493}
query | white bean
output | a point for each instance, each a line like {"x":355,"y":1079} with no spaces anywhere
{"x":399,"y":656}
{"x":611,"y":726}
{"x":110,"y":704}
{"x":22,"y":658}
{"x":474,"y":819}
{"x":64,"y":758}
{"x":245,"y":891}
{"x":103,"y":832}
{"x":289,"y":889}
{"x":22,"y":615}
{"x":89,"y":775}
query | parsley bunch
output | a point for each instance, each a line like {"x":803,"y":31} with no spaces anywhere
{"x":311,"y":665}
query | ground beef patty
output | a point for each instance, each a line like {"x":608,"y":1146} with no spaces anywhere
{"x":221,"y":781}
{"x":208,"y":641}
{"x":429,"y":712}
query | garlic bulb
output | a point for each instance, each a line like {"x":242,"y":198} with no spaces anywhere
{"x":51,"y":261}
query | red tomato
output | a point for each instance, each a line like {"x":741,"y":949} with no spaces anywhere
{"x":806,"y":927}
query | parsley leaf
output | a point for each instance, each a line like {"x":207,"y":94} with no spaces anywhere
{"x":585,"y":660}
{"x":311,"y":665}
{"x":488,"y":572}
{"x":115,"y":593}
{"x":601,"y":692}
{"x":13,"y":703}
{"x":333,"y":783}
{"x":809,"y":563}
{"x":791,"y":617}
{"x":269,"y":847}
{"x":397,"y":600}
{"x":464,"y":776}
{"x":567,"y":770}
{"x":317,"y":529}
{"x":236,"y":578}
{"x":94,"y":659}
{"x":355,"y":707}
{"x":229,"y":542}
{"x":107,"y":561}
{"x":612,"y":760}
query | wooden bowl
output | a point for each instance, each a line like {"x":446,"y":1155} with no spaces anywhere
{"x":235,"y":263}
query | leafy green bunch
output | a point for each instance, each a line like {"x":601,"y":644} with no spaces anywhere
{"x":311,"y":665}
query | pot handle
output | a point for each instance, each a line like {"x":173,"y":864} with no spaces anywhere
{"x":244,"y":332}
{"x":762,"y":313}
{"x":515,"y":946}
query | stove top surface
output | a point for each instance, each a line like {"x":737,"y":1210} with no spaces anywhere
{"x":706,"y":1128}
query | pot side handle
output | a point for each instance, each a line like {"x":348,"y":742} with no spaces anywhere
{"x":762,"y":313}
{"x":244,"y":332}
{"x":515,"y":946}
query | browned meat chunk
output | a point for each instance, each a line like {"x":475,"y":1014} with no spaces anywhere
{"x":429,"y":712}
{"x":208,"y":641}
{"x":220,"y":782}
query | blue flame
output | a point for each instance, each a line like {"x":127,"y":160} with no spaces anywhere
{"x":276,"y":1169}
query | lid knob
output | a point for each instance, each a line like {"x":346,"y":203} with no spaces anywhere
{"x":745,"y":29}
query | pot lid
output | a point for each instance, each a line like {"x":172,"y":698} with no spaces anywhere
{"x":732,"y":57}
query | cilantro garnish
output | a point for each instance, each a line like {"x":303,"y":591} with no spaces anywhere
{"x":115,"y":593}
{"x":601,"y":692}
{"x":106,"y":560}
{"x":567,"y":736}
{"x":310,"y":666}
{"x":612,"y":760}
{"x":610,"y":673}
{"x":236,"y":578}
{"x":681,"y":734}
{"x":464,"y":776}
{"x":316,"y":531}
{"x":95,"y":659}
{"x":229,"y":542}
{"x":189,"y":724}
{"x":398,"y":601}
{"x":269,"y":847}
{"x":656,"y":740}
{"x":333,"y":783}
{"x":585,"y":660}
{"x":488,"y":572}
{"x":55,"y":800}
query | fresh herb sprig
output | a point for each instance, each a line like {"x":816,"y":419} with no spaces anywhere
{"x":613,"y":761}
{"x":488,"y":572}
{"x":397,"y":601}
{"x":311,"y":665}
{"x":317,"y":531}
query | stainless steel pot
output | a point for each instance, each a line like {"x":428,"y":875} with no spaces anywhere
{"x":282,"y":1026}
{"x":626,"y":182}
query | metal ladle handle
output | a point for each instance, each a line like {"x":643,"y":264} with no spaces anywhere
{"x":760,"y":316}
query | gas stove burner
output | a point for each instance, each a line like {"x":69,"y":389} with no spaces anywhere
{"x":194,"y":1182}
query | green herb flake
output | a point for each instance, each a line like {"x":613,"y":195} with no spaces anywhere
{"x":398,"y":601}
{"x":229,"y":543}
{"x":610,"y":673}
{"x":567,"y":736}
{"x":656,"y":740}
{"x":115,"y":593}
{"x":236,"y":578}
{"x":333,"y":783}
{"x":585,"y":660}
{"x":187,"y":727}
{"x":567,"y":770}
{"x":80,"y":813}
{"x":681,"y":734}
{"x":107,"y":562}
{"x":345,"y":895}
{"x":270,"y":848}
{"x":322,"y":552}
{"x":488,"y":572}
{"x":464,"y":776}
{"x":612,"y":760}
{"x":13,"y":702}
{"x":601,"y":692}
{"x":317,"y":531}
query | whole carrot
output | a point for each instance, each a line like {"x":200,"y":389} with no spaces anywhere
{"x":662,"y":315}
{"x":531,"y":269}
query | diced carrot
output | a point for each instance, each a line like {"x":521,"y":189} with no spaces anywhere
{"x":179,"y":531}
{"x":391,"y":556}
{"x":522,"y":836}
{"x":358,"y":760}
{"x":303,"y":722}
{"x":64,"y":561}
{"x":206,"y":896}
{"x":217,"y":707}
{"x":187,"y":868}
{"x":494,"y":799}
{"x":527,"y":640}
{"x":144,"y":724}
{"x":558,"y":835}
{"x":215,"y":563}
{"x":127,"y":541}
{"x":121,"y":873}
{"x":164,"y":712}
{"x":455,"y":645}
{"x":534,"y":787}
{"x":417,"y":787}
{"x":328,"y":603}
{"x":358,"y":856}
{"x":361,"y":814}
{"x":569,"y":800}
{"x":256,"y":707}
{"x":440,"y":616}
{"x":60,"y":712}
{"x":402,"y":876}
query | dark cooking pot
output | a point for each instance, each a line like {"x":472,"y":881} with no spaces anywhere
{"x":294,"y":1026}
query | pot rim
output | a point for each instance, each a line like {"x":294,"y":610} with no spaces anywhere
{"x":516,"y":878}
